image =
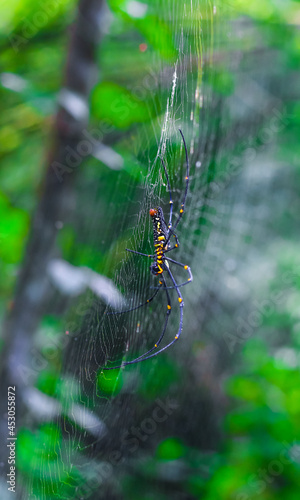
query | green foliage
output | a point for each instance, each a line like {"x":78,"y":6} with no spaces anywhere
{"x":148,"y":21}
{"x":47,"y":382}
{"x":170,"y":449}
{"x":224,"y":82}
{"x":13,"y":228}
{"x":118,"y":107}
{"x":39,"y":458}
{"x":167,"y":375}
{"x":109,"y":382}
{"x":28,"y":92}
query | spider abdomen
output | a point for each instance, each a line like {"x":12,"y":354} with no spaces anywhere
{"x":160,"y":237}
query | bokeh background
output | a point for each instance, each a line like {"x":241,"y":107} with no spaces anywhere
{"x":92,"y":95}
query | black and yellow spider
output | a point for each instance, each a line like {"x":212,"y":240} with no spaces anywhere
{"x":162,"y":233}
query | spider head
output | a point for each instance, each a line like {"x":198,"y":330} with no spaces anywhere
{"x":153,"y":212}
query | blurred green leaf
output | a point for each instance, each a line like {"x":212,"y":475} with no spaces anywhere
{"x":110,"y":382}
{"x":170,"y":449}
{"x":13,"y":229}
{"x":117,"y":106}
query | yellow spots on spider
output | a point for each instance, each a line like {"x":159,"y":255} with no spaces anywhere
{"x":179,"y":300}
{"x":186,"y":178}
{"x":161,"y":238}
{"x":186,"y":267}
{"x":171,"y":202}
{"x":176,"y":337}
{"x":190,"y":279}
{"x":169,"y":307}
{"x":160,"y":282}
{"x":155,"y":345}
{"x":176,"y":245}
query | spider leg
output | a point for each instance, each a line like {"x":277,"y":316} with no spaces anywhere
{"x":139,"y":253}
{"x":172,"y":287}
{"x":169,"y":233}
{"x":137,"y":307}
{"x":175,"y":246}
{"x":141,"y":358}
{"x":187,"y":268}
{"x":186,"y":186}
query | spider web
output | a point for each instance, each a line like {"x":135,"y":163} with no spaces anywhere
{"x":213,"y":241}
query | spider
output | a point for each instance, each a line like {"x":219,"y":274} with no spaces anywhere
{"x":162,"y":233}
